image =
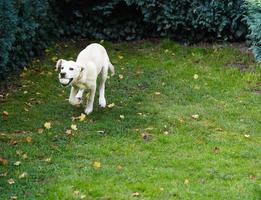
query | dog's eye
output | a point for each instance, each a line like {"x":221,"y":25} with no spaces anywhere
{"x":70,"y":68}
{"x":61,"y":67}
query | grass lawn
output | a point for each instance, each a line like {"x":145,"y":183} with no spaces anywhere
{"x":186,"y":125}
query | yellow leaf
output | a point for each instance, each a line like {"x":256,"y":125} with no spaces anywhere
{"x":11,"y":181}
{"x":82,"y":117}
{"x":40,"y":130}
{"x":23,"y":175}
{"x":120,"y":57}
{"x":120,"y":76}
{"x":5,"y":114}
{"x":13,"y":197}
{"x":111,"y":105}
{"x":196,"y":116}
{"x":74,"y":127}
{"x":47,"y":125}
{"x":195,"y":76}
{"x":122,"y":116}
{"x":97,"y":164}
{"x":247,"y":136}
{"x":68,"y":132}
{"x":48,"y":159}
{"x":25,"y":156}
{"x":135,"y":194}
{"x":29,"y":139}
{"x":17,"y":163}
{"x":157,"y":93}
{"x":186,"y":181}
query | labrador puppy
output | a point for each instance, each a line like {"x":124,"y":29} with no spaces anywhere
{"x":82,"y":74}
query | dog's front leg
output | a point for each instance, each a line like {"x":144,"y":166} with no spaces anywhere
{"x":79,"y":95}
{"x":72,"y":98}
{"x":89,"y":106}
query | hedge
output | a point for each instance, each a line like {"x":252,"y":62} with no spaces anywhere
{"x":28,"y":26}
{"x":254,"y":22}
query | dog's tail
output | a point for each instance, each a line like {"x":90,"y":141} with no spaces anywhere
{"x":111,"y":67}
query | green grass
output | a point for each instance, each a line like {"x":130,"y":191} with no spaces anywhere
{"x":158,"y":150}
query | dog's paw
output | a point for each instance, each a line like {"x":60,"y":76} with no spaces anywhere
{"x":75,"y":102}
{"x":88,"y":110}
{"x":102,"y":102}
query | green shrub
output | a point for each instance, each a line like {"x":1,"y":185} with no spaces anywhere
{"x":28,"y":26}
{"x":133,"y":19}
{"x":254,"y":22}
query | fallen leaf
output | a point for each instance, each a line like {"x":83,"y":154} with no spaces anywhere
{"x":96,"y":164}
{"x":122,"y":116}
{"x":25,"y":92}
{"x":48,"y":159}
{"x":3,"y":174}
{"x":82,"y":117}
{"x":120,"y":76}
{"x":196,"y":116}
{"x":23,"y":175}
{"x":17,"y":163}
{"x":29,"y":139}
{"x":135,"y":194}
{"x":5,"y":114}
{"x":3,"y":161}
{"x":40,"y":130}
{"x":247,"y":136}
{"x":18,"y":152}
{"x":47,"y":125}
{"x":161,"y":189}
{"x":166,"y":133}
{"x":68,"y":131}
{"x":82,"y":196}
{"x":25,"y":156}
{"x":120,"y":57}
{"x":119,"y":167}
{"x":13,"y":142}
{"x":11,"y":181}
{"x":157,"y":93}
{"x":111,"y":105}
{"x":195,"y":76}
{"x":74,"y":127}
{"x":186,"y":181}
{"x":13,"y":197}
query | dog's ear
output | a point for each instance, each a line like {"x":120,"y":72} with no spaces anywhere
{"x":81,"y":67}
{"x":58,"y":65}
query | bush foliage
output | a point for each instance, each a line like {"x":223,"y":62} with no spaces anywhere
{"x":28,"y":26}
{"x":254,"y":23}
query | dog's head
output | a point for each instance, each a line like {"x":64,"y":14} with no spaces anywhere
{"x":68,"y":71}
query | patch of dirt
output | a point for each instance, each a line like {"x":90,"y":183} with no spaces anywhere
{"x":240,"y":65}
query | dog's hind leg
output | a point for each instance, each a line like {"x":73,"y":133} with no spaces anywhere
{"x":89,"y":106}
{"x":102,"y":100}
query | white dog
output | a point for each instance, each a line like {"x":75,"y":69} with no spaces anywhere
{"x":83,"y":74}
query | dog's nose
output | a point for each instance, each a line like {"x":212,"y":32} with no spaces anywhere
{"x":62,"y":75}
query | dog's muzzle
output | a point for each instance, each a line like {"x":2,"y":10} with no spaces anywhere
{"x":66,"y":84}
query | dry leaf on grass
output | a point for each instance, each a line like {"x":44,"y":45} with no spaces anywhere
{"x":23,"y":175}
{"x":29,"y":139}
{"x":17,"y":163}
{"x":96,"y":164}
{"x":11,"y":181}
{"x":135,"y":194}
{"x":111,"y":105}
{"x":5,"y":114}
{"x":196,"y":116}
{"x":3,"y":161}
{"x":74,"y":127}
{"x":47,"y":125}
